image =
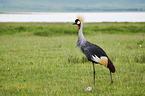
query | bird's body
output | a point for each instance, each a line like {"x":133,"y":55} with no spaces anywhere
{"x":94,"y":53}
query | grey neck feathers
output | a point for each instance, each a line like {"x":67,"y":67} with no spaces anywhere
{"x":81,"y":39}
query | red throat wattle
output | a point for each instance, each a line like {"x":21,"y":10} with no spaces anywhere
{"x":79,"y":27}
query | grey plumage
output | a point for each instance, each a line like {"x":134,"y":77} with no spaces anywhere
{"x":88,"y":48}
{"x":94,"y":53}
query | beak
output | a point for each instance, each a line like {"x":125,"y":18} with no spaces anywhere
{"x":74,"y":24}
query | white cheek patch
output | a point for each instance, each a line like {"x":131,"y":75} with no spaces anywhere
{"x":78,"y":22}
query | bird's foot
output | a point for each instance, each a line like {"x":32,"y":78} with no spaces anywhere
{"x":111,"y":82}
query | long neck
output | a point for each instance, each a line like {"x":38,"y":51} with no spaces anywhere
{"x":81,"y":38}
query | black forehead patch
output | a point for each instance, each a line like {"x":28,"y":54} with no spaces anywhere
{"x":77,"y":20}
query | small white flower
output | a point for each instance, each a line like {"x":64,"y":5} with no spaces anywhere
{"x":89,"y":89}
{"x":140,"y":46}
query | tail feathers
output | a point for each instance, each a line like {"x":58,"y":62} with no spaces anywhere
{"x":111,"y":66}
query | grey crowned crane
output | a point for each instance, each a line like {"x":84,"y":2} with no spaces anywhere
{"x":94,"y":53}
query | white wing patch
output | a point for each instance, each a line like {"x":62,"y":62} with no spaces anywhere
{"x":102,"y":60}
{"x":95,"y":58}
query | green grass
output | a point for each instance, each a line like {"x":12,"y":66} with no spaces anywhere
{"x":57,"y":29}
{"x":42,"y":59}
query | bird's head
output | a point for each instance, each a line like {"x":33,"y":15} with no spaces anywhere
{"x":78,"y":21}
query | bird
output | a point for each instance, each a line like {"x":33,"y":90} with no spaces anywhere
{"x":93,"y":52}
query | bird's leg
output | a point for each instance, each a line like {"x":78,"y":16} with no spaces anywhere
{"x":111,"y":78}
{"x":94,"y":73}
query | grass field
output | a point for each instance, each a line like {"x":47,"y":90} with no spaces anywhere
{"x":42,"y":59}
